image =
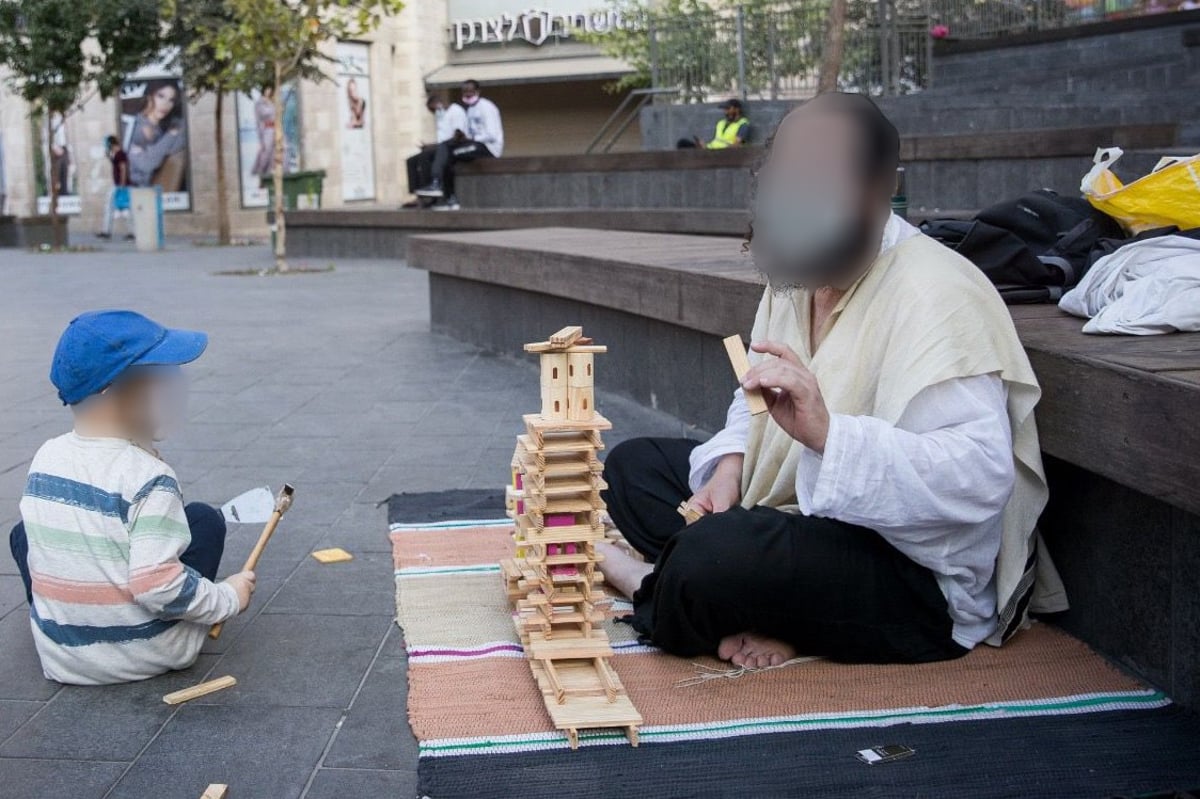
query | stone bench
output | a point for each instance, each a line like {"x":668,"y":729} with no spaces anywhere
{"x":961,"y":171}
{"x":384,"y":232}
{"x":1118,"y":417}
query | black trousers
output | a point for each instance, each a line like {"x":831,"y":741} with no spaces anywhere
{"x":826,"y":587}
{"x":207,"y":526}
{"x":451,"y":152}
{"x":420,"y":168}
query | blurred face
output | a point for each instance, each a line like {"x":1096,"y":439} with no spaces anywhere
{"x":150,"y":401}
{"x":814,"y":219}
{"x":470,"y":94}
{"x":732,"y":114}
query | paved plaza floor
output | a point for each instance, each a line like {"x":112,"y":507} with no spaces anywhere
{"x":332,"y":382}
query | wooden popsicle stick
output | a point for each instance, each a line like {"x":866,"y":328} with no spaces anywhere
{"x":736,"y":350}
{"x":282,"y":503}
{"x":217,"y":790}
{"x":197,"y":691}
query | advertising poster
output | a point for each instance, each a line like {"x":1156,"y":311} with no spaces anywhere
{"x":155,"y":135}
{"x":57,"y":167}
{"x":256,"y":140}
{"x":354,"y":118}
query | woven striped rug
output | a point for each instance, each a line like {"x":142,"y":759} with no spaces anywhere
{"x":472,"y":698}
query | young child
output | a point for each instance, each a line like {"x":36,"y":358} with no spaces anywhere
{"x":119,"y":574}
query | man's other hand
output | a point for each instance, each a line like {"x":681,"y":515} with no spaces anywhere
{"x":724,"y":489}
{"x":791,"y":393}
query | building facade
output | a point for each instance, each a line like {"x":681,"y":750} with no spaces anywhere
{"x":359,"y":126}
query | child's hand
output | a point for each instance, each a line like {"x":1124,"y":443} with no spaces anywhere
{"x":243,"y":583}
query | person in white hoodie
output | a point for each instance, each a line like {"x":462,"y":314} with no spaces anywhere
{"x":450,"y":125}
{"x":485,"y":139}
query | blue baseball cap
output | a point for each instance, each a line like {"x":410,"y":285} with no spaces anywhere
{"x":98,"y":346}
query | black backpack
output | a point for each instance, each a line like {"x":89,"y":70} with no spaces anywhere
{"x":1032,"y":248}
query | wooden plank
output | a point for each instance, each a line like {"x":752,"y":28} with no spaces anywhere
{"x":197,"y":691}
{"x":736,"y":348}
{"x":567,"y":336}
{"x":216,"y":790}
{"x":1130,"y":426}
{"x":568,"y":649}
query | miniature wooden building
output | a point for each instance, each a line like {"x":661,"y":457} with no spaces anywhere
{"x":553,"y":580}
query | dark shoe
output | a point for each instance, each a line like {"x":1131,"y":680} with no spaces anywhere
{"x":434,"y":189}
{"x":104,"y":236}
{"x":130,"y":237}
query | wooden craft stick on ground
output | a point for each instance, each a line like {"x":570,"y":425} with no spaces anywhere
{"x":282,"y":503}
{"x":217,"y":790}
{"x":736,"y":349}
{"x":197,"y":691}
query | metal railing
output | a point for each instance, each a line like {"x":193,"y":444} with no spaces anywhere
{"x":772,"y":50}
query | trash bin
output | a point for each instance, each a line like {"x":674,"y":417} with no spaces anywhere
{"x":146,"y":209}
{"x":301,"y":190}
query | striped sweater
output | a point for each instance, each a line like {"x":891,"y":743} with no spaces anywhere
{"x":111,"y":600}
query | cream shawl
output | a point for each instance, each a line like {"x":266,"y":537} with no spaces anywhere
{"x":920,"y":315}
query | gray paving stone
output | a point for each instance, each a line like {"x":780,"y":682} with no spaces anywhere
{"x":20,"y":671}
{"x":375,"y":733}
{"x":258,"y":754}
{"x":358,"y":784}
{"x":103,"y":722}
{"x":359,"y":587}
{"x":267,"y":586}
{"x":69,"y":779}
{"x":14,"y":713}
{"x":12,"y":590}
{"x":299,"y":660}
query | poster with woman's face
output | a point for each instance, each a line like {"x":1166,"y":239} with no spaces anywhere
{"x":354,"y":116}
{"x":155,"y":136}
{"x":256,"y":140}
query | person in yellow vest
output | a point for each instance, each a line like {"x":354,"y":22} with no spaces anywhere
{"x":884,"y":507}
{"x":733,"y":129}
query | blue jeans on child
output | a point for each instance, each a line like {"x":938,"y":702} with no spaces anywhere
{"x":203,"y":554}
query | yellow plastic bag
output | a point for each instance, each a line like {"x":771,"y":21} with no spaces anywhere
{"x":1169,"y":195}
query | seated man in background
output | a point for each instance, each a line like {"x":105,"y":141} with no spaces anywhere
{"x":884,"y":509}
{"x":733,"y":130}
{"x":485,"y":139}
{"x":118,"y":572}
{"x":450,"y":126}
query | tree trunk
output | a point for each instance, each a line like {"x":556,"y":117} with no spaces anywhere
{"x":56,"y":237}
{"x":277,"y":175}
{"x":833,"y":48}
{"x":223,"y":238}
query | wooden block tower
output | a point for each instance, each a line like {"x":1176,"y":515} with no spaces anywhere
{"x":553,"y":581}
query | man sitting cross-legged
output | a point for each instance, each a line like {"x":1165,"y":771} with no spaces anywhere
{"x":884,"y":509}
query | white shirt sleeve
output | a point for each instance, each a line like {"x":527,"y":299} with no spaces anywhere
{"x":947,"y":461}
{"x":487,"y":128}
{"x":731,"y":439}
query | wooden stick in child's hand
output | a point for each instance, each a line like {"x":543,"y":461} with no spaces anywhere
{"x":282,"y":503}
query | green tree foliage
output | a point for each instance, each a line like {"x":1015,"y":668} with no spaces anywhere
{"x":692,"y":44}
{"x":289,"y":40}
{"x":58,"y":53}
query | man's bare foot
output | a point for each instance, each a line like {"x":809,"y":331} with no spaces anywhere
{"x":753,"y":651}
{"x":622,"y":571}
